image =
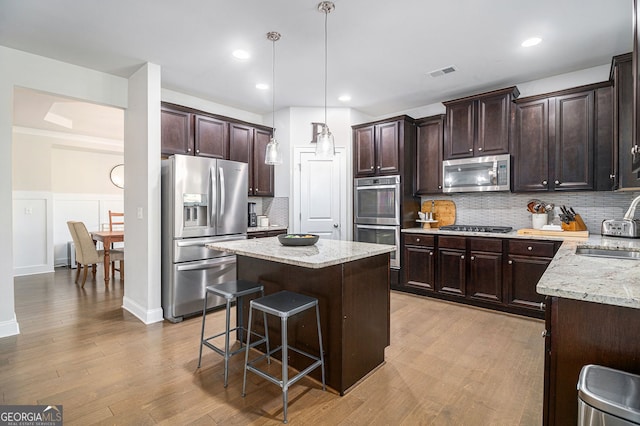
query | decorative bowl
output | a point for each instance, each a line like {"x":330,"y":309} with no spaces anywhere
{"x":298,"y":239}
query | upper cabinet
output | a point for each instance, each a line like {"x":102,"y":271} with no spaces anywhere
{"x":380,"y":148}
{"x":479,"y":125}
{"x":558,"y":136}
{"x":429,"y":146}
{"x":248,"y":144}
{"x":622,"y":78}
{"x":192,"y":132}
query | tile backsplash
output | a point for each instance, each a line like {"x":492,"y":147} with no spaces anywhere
{"x":507,"y":209}
{"x":276,"y":208}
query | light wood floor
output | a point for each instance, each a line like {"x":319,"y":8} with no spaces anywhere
{"x":447,"y":365}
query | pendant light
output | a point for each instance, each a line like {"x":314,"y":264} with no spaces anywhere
{"x":325,"y":145}
{"x":273,"y":155}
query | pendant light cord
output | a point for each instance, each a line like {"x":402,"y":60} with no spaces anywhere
{"x":326,"y":60}
{"x":273,"y":92}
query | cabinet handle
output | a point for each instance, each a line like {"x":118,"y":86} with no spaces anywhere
{"x":473,"y":258}
{"x":462,"y":257}
{"x":545,"y":333}
{"x":529,"y":248}
{"x":544,"y":182}
{"x":557,"y":182}
{"x":480,"y":149}
{"x":510,"y":262}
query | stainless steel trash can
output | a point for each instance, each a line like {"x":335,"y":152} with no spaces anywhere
{"x":608,"y":397}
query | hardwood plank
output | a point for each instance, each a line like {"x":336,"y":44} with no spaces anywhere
{"x":447,"y":364}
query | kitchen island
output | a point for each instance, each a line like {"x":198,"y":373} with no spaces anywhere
{"x":350,"y":281}
{"x":592,"y":317}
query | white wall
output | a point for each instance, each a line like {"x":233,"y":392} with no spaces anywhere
{"x":22,"y":69}
{"x":210,"y":107}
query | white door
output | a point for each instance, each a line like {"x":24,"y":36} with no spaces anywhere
{"x":320,"y":192}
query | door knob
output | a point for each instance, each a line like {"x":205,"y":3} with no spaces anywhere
{"x":335,"y":225}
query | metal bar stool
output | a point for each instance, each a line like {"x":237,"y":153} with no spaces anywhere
{"x":283,"y":304}
{"x":230,"y":290}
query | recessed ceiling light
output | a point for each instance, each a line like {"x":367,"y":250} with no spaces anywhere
{"x":531,"y":42}
{"x":262,"y":86}
{"x":240,"y":54}
{"x":344,"y":98}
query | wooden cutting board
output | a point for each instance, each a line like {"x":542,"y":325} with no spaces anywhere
{"x":444,"y":212}
{"x":559,"y":234}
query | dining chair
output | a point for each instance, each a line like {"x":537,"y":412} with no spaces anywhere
{"x":87,"y":254}
{"x":116,"y":222}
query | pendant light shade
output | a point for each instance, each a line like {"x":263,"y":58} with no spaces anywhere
{"x":325,"y":145}
{"x":273,"y":155}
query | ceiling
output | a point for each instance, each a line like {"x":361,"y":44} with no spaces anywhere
{"x":381,"y":53}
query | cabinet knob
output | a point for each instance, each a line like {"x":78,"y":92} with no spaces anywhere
{"x":379,"y":167}
{"x":473,"y":258}
{"x":544,"y":182}
{"x":480,"y":149}
{"x":635,"y":150}
{"x":371,"y":167}
{"x":439,"y":186}
{"x":612,"y":176}
{"x":430,"y":253}
{"x":188,"y":149}
{"x":470,"y":149}
{"x":542,"y":306}
{"x":197,"y":151}
{"x":545,"y":333}
{"x":529,"y":248}
{"x":557,"y":182}
{"x":462,"y":257}
{"x":510,"y":262}
{"x":250,"y":189}
{"x":418,"y":240}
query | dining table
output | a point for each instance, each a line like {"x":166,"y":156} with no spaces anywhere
{"x":107,"y":238}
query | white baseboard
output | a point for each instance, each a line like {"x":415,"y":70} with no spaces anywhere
{"x":9,"y":328}
{"x":32,"y":270}
{"x":144,"y":315}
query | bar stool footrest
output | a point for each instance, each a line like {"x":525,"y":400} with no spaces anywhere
{"x":273,"y":379}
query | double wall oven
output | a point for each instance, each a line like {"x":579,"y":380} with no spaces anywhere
{"x":377,"y":212}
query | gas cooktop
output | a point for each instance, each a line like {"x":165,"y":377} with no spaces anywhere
{"x":477,"y":228}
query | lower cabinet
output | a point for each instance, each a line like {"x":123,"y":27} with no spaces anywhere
{"x":265,"y":234}
{"x":495,"y":273}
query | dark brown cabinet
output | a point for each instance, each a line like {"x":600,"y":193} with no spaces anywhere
{"x":479,"y":125}
{"x":383,"y":148}
{"x":188,"y":132}
{"x":429,"y":146}
{"x":495,"y":273}
{"x":452,"y":271}
{"x":558,"y":138}
{"x":579,"y":333}
{"x":265,"y":234}
{"x":248,"y":144}
{"x":419,"y":263}
{"x":526,"y":262}
{"x":622,"y":78}
{"x":485,"y":269}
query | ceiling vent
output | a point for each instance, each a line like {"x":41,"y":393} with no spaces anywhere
{"x":442,"y":71}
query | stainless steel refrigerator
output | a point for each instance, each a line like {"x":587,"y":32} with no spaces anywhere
{"x":203,"y":200}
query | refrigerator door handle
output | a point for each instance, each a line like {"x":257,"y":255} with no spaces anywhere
{"x":212,"y":198}
{"x":222,"y":192}
{"x":210,"y":264}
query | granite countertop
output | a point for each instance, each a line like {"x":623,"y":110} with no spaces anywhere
{"x":512,"y":234}
{"x":594,"y":279}
{"x":251,"y":229}
{"x":320,"y":255}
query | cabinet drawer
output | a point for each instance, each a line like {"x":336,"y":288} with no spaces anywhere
{"x":532,"y":248}
{"x":485,"y":244}
{"x":419,"y":240}
{"x":453,"y":242}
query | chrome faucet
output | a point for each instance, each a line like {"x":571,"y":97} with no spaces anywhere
{"x":629,"y":215}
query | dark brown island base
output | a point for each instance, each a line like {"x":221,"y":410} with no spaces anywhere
{"x":350,"y":281}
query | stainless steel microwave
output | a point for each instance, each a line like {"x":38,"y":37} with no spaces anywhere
{"x":477,"y":174}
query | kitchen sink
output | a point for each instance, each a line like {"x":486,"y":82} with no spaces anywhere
{"x":612,"y":253}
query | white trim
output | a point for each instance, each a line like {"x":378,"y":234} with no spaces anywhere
{"x":75,"y":140}
{"x":34,"y":269}
{"x":9,"y":328}
{"x":146,"y":316}
{"x":49,"y":201}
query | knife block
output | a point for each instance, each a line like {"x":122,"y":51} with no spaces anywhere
{"x":574,"y":225}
